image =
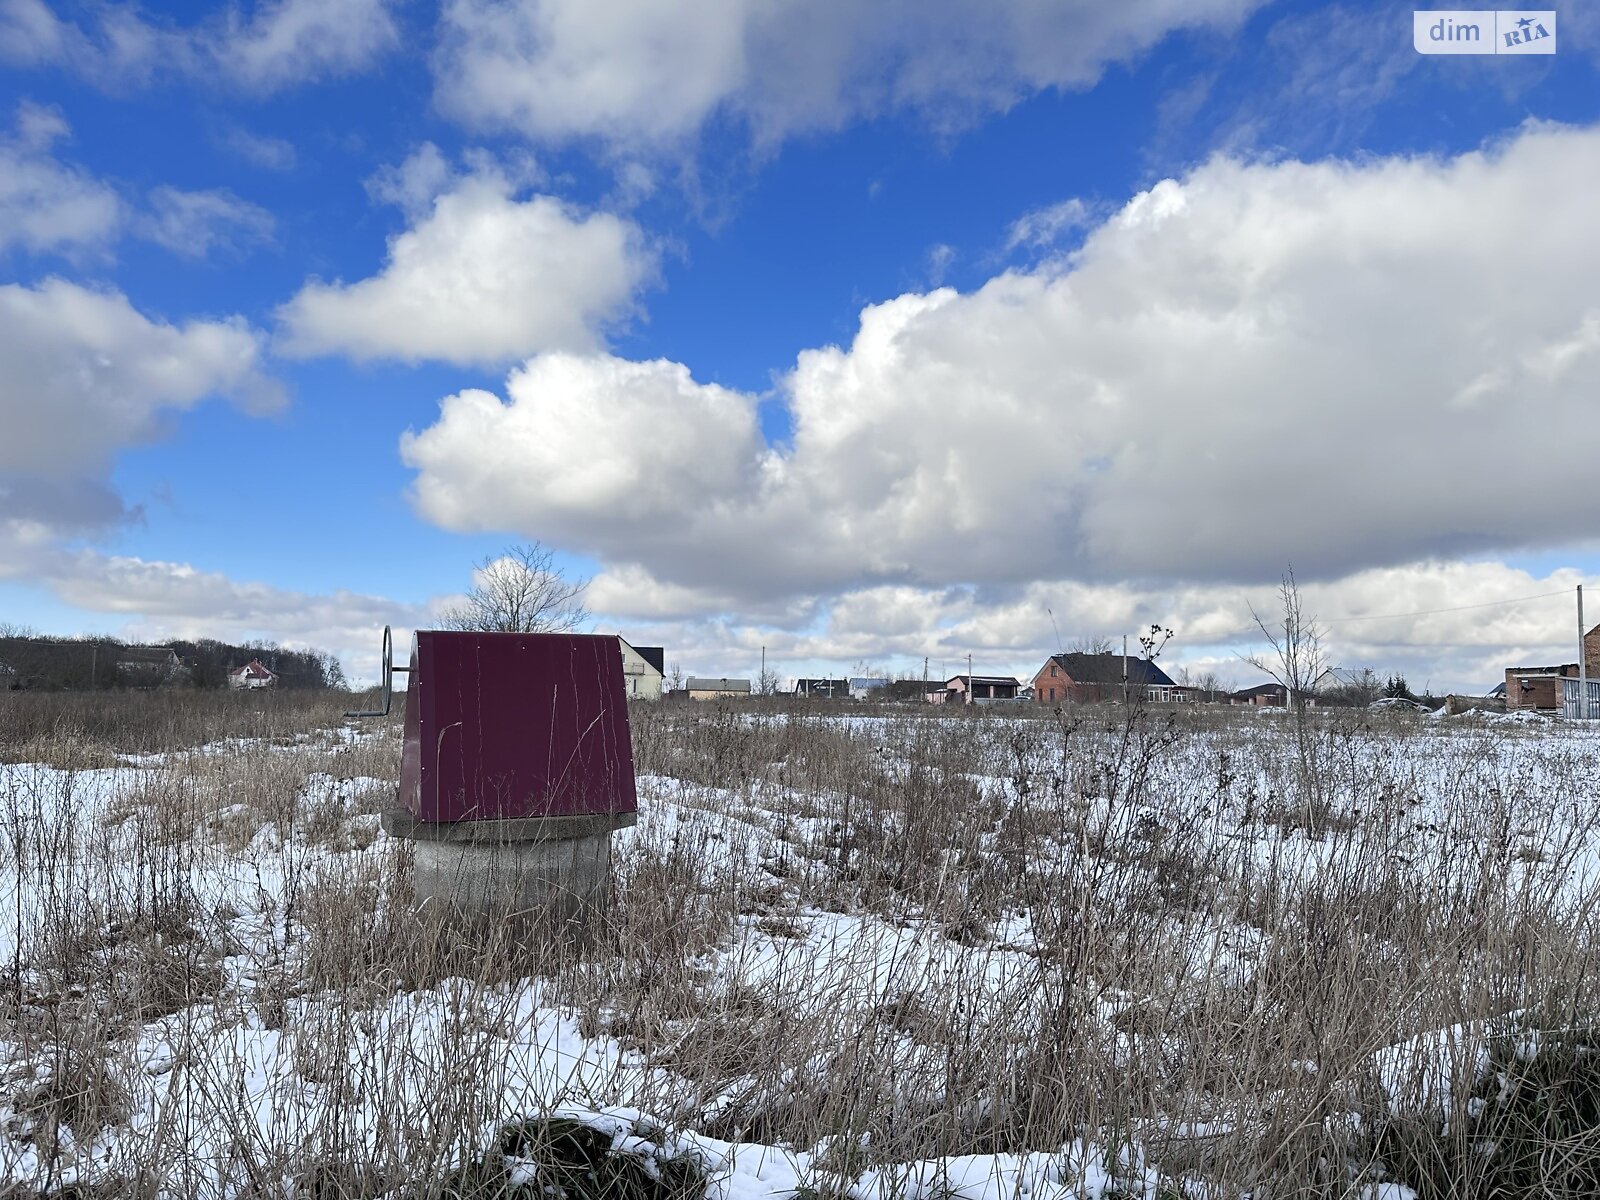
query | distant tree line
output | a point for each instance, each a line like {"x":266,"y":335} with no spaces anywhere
{"x":33,"y":661}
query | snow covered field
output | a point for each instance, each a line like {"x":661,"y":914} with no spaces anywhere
{"x":925,"y":956}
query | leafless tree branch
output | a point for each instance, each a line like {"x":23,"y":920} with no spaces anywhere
{"x":523,"y":590}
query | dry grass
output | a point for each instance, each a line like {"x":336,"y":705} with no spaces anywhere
{"x":91,"y":729}
{"x":893,"y":939}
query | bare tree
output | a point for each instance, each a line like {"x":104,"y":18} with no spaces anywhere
{"x":1297,"y":659}
{"x":1091,"y":645}
{"x":1208,"y":683}
{"x":522,"y":590}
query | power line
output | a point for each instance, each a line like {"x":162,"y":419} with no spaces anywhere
{"x":1428,"y":612}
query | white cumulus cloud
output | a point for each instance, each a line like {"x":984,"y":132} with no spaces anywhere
{"x":1342,"y":366}
{"x":479,"y":277}
{"x":84,"y":374}
{"x":667,"y":440}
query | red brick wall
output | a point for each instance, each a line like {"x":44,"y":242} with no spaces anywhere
{"x":1540,"y":693}
{"x":1050,"y":688}
{"x":1065,"y":689}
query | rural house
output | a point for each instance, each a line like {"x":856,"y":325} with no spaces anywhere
{"x":976,"y":689}
{"x":823,"y":689}
{"x":251,"y":676}
{"x":1267,"y":695}
{"x":643,"y":670}
{"x":147,"y":666}
{"x":1555,"y":689}
{"x":80,"y":665}
{"x":1336,"y":679}
{"x":1091,"y":678}
{"x":868,"y":688}
{"x":717,"y":689}
{"x":1541,"y":689}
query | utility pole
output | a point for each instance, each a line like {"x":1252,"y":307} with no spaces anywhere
{"x":1124,"y":670}
{"x":1583,"y":664}
{"x":969,"y":678}
{"x":763,"y":670}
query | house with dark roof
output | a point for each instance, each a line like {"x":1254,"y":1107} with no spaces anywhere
{"x":1262,"y":695}
{"x":1093,"y":678}
{"x":823,"y":689}
{"x":643,"y":670}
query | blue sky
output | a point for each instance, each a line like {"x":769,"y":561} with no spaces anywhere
{"x":863,"y":333}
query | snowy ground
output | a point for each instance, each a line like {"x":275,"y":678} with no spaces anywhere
{"x":841,"y":950}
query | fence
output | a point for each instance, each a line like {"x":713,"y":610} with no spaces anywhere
{"x":1571,"y":705}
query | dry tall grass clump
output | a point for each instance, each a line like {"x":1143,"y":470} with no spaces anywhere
{"x":1102,"y":951}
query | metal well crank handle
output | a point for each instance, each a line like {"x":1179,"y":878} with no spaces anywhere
{"x":389,"y":670}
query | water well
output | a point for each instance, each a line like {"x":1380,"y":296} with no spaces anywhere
{"x":516,"y":769}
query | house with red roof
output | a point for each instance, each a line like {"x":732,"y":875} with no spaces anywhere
{"x":251,"y":676}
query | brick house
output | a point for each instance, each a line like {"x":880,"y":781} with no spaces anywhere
{"x":1263,"y":695}
{"x":1092,"y":678}
{"x":1541,"y":688}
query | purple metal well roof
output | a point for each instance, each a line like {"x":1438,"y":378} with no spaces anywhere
{"x":508,"y":725}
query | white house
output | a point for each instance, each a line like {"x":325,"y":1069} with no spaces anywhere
{"x":251,"y":676}
{"x":868,"y":688}
{"x":642,"y":672}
